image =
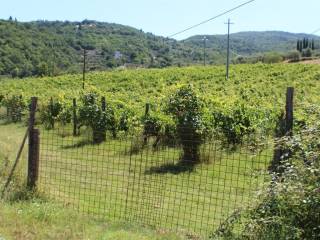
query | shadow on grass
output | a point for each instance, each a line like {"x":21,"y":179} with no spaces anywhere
{"x":173,"y":168}
{"x":79,"y":144}
{"x":7,"y":122}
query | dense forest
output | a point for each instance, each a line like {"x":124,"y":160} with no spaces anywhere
{"x":51,"y":48}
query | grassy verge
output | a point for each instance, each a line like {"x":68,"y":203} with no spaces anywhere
{"x":42,"y":220}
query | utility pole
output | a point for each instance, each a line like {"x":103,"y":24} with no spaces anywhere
{"x":228,"y":53}
{"x":84,"y":68}
{"x":204,"y":49}
{"x":54,"y":59}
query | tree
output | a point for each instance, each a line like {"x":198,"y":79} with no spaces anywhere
{"x":307,"y":52}
{"x":304,"y":43}
{"x":301,"y":46}
{"x":42,"y":69}
{"x":294,"y":56}
{"x":97,"y":116}
{"x":272,"y":57}
{"x":187,"y":110}
{"x":312,"y":45}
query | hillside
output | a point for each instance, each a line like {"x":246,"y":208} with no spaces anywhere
{"x":251,"y":43}
{"x":51,"y":48}
{"x":39,"y":48}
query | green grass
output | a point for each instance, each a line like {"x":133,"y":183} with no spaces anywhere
{"x":37,"y":219}
{"x":105,"y":180}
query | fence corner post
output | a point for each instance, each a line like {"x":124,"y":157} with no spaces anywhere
{"x":34,"y":147}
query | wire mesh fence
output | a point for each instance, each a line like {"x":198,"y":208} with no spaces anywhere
{"x":119,"y":179}
{"x":13,"y":174}
{"x":134,"y":178}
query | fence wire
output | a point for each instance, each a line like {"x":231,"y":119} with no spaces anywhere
{"x":119,"y":179}
{"x":12,"y":134}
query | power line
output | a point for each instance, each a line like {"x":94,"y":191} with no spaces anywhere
{"x":213,"y":18}
{"x":314,"y":32}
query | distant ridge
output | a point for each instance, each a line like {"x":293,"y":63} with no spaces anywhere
{"x":54,"y":47}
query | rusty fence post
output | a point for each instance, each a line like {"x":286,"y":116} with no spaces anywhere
{"x":34,"y":147}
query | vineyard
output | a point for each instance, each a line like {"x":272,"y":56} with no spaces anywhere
{"x":251,"y":87}
{"x":177,"y":148}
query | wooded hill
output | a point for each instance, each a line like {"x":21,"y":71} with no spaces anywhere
{"x":50,"y":48}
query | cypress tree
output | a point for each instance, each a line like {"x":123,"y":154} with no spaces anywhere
{"x":300,"y":45}
{"x":312,"y":44}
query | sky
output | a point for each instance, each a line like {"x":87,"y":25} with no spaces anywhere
{"x":166,"y":17}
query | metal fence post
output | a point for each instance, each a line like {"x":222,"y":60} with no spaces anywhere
{"x":34,"y":147}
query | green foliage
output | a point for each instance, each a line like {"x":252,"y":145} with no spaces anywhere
{"x":272,"y":57}
{"x":15,"y":107}
{"x":187,"y":109}
{"x":307,"y":52}
{"x":293,"y":56}
{"x":290,"y":207}
{"x":53,"y":111}
{"x":238,"y":123}
{"x":44,"y":48}
{"x":157,"y":124}
{"x":50,"y":113}
{"x":249,"y":103}
{"x":91,"y":115}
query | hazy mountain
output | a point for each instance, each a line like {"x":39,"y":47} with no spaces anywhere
{"x":248,"y":43}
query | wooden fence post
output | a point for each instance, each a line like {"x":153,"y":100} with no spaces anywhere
{"x":284,"y":128}
{"x":145,"y":138}
{"x":75,"y":120}
{"x":51,"y":112}
{"x":147,"y":109}
{"x":103,"y":104}
{"x":289,"y":111}
{"x":34,"y":143}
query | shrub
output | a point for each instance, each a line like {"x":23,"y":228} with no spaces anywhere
{"x":160,"y":126}
{"x":237,"y":122}
{"x":186,"y":108}
{"x":294,"y":56}
{"x":91,"y":115}
{"x":307,"y":52}
{"x":15,"y":107}
{"x":272,"y":57}
{"x":290,"y":208}
{"x":49,"y":113}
